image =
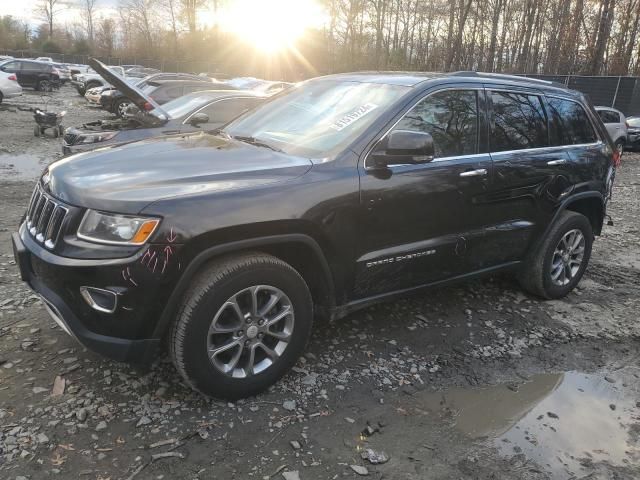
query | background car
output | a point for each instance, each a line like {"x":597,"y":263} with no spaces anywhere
{"x":63,"y":72}
{"x":91,"y":79}
{"x":32,"y":74}
{"x":198,"y":111}
{"x":633,"y":133}
{"x":115,"y":101}
{"x":616,"y":124}
{"x":9,"y":86}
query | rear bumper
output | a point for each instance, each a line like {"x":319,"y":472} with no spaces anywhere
{"x":63,"y":313}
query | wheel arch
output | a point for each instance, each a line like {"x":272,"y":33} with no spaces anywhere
{"x":301,"y":251}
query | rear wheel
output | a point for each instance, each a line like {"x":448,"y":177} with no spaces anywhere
{"x":120,"y":107}
{"x":44,"y":85}
{"x":242,"y":326}
{"x":557,"y":265}
{"x":1,"y":97}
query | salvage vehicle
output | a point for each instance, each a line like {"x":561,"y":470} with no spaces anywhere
{"x":114,"y":101}
{"x":616,"y":125}
{"x":343,"y":191}
{"x":31,"y":74}
{"x":91,"y":79}
{"x":9,"y":86}
{"x":199,"y":111}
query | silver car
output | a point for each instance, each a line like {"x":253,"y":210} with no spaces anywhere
{"x":616,"y":124}
{"x":9,"y":86}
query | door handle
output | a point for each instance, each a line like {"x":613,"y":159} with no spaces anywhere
{"x":481,"y":172}
{"x":559,"y":161}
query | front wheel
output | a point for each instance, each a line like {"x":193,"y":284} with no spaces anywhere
{"x":242,"y":326}
{"x":44,"y":86}
{"x":557,"y":265}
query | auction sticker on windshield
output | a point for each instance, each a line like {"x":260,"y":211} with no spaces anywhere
{"x":351,"y":117}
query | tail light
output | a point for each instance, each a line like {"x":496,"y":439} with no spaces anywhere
{"x":617,"y":158}
{"x":147,"y":106}
{"x":13,"y":77}
{"x":55,"y":70}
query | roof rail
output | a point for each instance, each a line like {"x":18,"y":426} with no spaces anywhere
{"x":505,"y":76}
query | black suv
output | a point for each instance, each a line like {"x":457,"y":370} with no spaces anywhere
{"x":31,"y":74}
{"x":341,"y":192}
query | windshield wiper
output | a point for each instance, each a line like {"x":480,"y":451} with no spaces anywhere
{"x":254,"y":141}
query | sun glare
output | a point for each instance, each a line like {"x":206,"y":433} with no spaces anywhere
{"x":272,"y":25}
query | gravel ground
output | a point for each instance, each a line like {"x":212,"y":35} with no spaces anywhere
{"x":474,"y":381}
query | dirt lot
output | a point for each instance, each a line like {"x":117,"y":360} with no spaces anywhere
{"x":474,"y":381}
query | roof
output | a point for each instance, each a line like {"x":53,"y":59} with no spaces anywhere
{"x":411,"y":79}
{"x":225,"y":93}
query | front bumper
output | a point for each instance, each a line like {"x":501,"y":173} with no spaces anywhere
{"x":123,"y":335}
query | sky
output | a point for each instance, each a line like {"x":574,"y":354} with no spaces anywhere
{"x":26,"y":10}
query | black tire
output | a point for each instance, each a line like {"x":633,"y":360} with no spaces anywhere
{"x":120,"y":104}
{"x":536,"y":277}
{"x":44,"y":85}
{"x":210,"y":290}
{"x":1,"y":97}
{"x":36,"y":131}
{"x":56,"y":132}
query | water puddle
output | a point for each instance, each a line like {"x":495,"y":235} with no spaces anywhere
{"x":563,"y":422}
{"x":20,"y":167}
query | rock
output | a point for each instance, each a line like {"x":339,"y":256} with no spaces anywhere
{"x":37,"y":390}
{"x":289,"y":405}
{"x":295,"y":444}
{"x":58,"y":386}
{"x":360,"y":470}
{"x":81,"y":414}
{"x":349,"y":420}
{"x":101,"y":426}
{"x":609,"y":379}
{"x":292,"y":475}
{"x":612,"y":406}
{"x":552,"y":415}
{"x":310,"y":379}
{"x":143,"y":421}
{"x":42,"y":438}
{"x":375,"y":458}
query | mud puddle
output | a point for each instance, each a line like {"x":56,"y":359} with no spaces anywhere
{"x":565,"y":423}
{"x":20,"y":167}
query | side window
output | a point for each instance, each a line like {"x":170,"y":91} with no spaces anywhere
{"x":609,"y":116}
{"x":33,"y":67}
{"x":570,"y":124}
{"x":11,"y":66}
{"x":518,"y":122}
{"x":451,"y":117}
{"x":224,"y":111}
{"x":173,"y":92}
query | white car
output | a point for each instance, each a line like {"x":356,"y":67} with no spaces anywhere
{"x":9,"y":86}
{"x":616,"y":124}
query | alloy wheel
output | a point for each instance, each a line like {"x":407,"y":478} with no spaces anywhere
{"x":122,"y":108}
{"x":250,"y":331}
{"x":567,"y":257}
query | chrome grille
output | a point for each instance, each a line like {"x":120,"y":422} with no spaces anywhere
{"x":45,"y":216}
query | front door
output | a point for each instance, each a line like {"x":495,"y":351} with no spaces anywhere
{"x":416,"y":219}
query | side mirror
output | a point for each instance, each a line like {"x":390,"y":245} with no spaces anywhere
{"x":199,"y":118}
{"x":403,"y":147}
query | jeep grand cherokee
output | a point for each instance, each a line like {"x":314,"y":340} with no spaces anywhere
{"x":346,"y":190}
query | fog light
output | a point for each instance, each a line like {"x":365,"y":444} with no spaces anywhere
{"x":104,"y":301}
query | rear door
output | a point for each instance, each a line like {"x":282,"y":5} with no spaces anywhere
{"x":529,"y":170}
{"x":611,"y":120}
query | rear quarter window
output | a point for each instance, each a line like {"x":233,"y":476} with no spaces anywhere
{"x":518,"y":122}
{"x":569,"y":122}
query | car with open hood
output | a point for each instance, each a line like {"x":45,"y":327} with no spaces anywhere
{"x":199,"y":111}
{"x":90,"y":79}
{"x":340,"y":192}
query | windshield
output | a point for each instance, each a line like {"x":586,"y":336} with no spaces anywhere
{"x":181,"y":106}
{"x":318,"y":118}
{"x":634,"y":122}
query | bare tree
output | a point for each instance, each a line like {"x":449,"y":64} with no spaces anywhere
{"x":87,"y":12}
{"x":48,"y":10}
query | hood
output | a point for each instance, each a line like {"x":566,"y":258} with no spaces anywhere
{"x":127,"y":178}
{"x":133,"y":93}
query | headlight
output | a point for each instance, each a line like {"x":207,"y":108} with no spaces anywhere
{"x":109,"y":93}
{"x":96,"y":137}
{"x":116,"y":229}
